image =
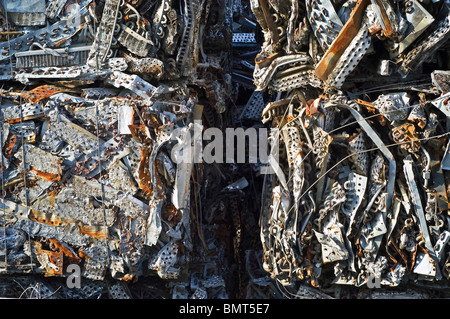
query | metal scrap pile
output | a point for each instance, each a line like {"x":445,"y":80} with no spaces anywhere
{"x":359,"y":93}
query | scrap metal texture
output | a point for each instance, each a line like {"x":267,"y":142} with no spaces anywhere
{"x":97,"y":95}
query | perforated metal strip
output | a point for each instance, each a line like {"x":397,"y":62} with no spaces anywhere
{"x":102,"y":43}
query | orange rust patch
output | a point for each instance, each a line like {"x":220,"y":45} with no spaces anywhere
{"x":368,"y":105}
{"x":9,"y":145}
{"x":82,"y":254}
{"x":41,"y":92}
{"x":127,"y":277}
{"x":145,"y":181}
{"x":374,"y":29}
{"x":134,"y":129}
{"x":57,"y":44}
{"x":49,"y":218}
{"x":312,"y":106}
{"x":14,"y":121}
{"x":52,"y":260}
{"x":171,"y":215}
{"x":389,"y":32}
{"x":140,"y":134}
{"x":264,"y":61}
{"x":371,"y":109}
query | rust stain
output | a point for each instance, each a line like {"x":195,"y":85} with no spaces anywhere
{"x":9,"y":145}
{"x":353,"y":137}
{"x":371,"y":109}
{"x":52,"y":260}
{"x":406,"y":136}
{"x":14,"y":121}
{"x":65,"y":250}
{"x":49,"y":218}
{"x":171,"y":215}
{"x":127,"y":277}
{"x":389,"y":32}
{"x":144,"y":177}
{"x":264,"y":61}
{"x":369,"y":105}
{"x":346,"y":35}
{"x":41,"y":92}
{"x":57,"y":44}
{"x":52,"y":195}
{"x":82,"y":254}
{"x":374,"y":29}
{"x":420,"y":123}
{"x":312,"y":106}
{"x":139,"y":133}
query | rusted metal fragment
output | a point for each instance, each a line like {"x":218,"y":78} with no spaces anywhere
{"x":48,"y":176}
{"x":406,"y":136}
{"x":418,"y":116}
{"x":145,"y":180}
{"x":25,"y":131}
{"x":382,"y":9}
{"x":9,"y":145}
{"x":28,"y":111}
{"x":50,"y":219}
